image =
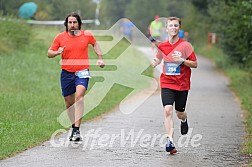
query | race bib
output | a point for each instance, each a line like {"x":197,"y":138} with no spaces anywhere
{"x":171,"y":68}
{"x":83,"y":74}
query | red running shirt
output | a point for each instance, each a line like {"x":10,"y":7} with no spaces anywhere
{"x":75,"y":54}
{"x":175,"y":76}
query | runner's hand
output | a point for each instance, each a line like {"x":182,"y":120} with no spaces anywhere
{"x":100,"y":63}
{"x":155,"y":62}
{"x":60,"y":50}
{"x":177,"y":58}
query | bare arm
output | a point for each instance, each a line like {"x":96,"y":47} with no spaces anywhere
{"x":97,"y":50}
{"x":52,"y":53}
{"x":155,"y":62}
{"x":190,"y":63}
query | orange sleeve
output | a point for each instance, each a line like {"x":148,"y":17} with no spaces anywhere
{"x":92,"y":39}
{"x":56,"y":43}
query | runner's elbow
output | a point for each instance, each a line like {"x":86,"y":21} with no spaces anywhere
{"x":51,"y":54}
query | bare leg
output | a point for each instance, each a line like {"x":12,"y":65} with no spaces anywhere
{"x":80,"y":92}
{"x":69,"y":102}
{"x":168,"y":111}
{"x":181,"y":115}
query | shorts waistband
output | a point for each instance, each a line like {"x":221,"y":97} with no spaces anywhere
{"x":67,"y":71}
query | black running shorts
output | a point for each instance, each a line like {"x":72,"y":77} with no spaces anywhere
{"x":170,"y":96}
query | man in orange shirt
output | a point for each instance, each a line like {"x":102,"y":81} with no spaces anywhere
{"x":72,"y":45}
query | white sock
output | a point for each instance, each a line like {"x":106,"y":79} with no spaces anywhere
{"x":170,"y":139}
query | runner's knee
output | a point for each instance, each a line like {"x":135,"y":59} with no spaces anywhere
{"x":168,"y":110}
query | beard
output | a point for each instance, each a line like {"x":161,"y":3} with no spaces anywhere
{"x":74,"y":31}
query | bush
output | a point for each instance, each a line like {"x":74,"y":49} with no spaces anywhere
{"x":232,"y":22}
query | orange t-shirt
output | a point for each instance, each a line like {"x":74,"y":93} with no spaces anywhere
{"x":75,"y":54}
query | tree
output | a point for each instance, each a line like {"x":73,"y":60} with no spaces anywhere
{"x":113,"y":10}
{"x":10,"y":7}
{"x":200,"y":5}
{"x":232,"y":21}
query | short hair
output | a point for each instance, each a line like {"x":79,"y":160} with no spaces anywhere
{"x":73,"y":14}
{"x":174,"y":18}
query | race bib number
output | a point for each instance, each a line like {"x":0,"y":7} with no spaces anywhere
{"x":83,"y":74}
{"x":171,"y":68}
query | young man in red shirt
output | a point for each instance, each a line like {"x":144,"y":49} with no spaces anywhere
{"x":178,"y":57}
{"x":72,"y":45}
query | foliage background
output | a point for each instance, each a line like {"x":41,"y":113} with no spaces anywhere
{"x":230,"y":19}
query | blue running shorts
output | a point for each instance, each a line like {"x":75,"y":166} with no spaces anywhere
{"x":69,"y":81}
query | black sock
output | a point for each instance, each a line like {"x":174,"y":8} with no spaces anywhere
{"x":76,"y":128}
{"x":73,"y":125}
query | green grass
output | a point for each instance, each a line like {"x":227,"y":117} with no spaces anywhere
{"x":31,"y":97}
{"x":241,"y":85}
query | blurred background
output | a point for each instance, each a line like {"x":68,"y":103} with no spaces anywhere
{"x":229,"y":20}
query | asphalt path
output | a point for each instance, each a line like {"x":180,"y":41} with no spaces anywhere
{"x":137,"y":139}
